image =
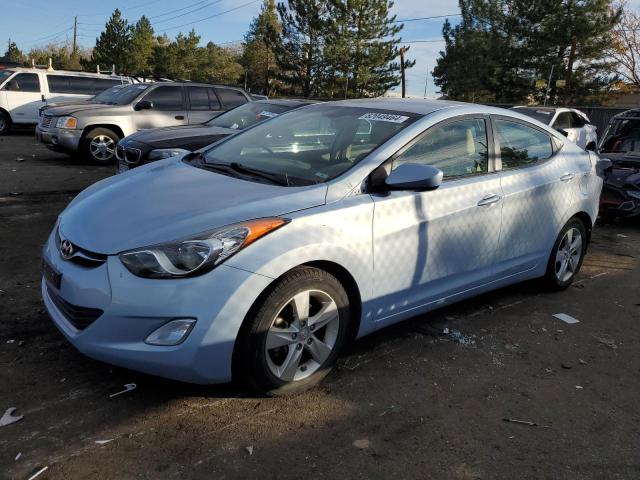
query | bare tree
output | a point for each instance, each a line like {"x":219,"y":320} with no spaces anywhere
{"x":625,"y":49}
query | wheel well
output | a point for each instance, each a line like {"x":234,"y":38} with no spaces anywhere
{"x":586,"y":221}
{"x":115,"y":128}
{"x":338,"y":271}
{"x":7,"y":114}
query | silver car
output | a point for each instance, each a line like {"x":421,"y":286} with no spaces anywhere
{"x":93,"y":129}
{"x":263,"y":255}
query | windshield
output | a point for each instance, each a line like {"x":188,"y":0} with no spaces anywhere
{"x":623,"y":136}
{"x":310,"y":145}
{"x":108,"y":95}
{"x":4,"y":74}
{"x":126,"y":95}
{"x":543,"y":116}
{"x":248,"y":114}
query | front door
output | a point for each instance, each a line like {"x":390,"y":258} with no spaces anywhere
{"x":431,"y":246}
{"x":24,"y":97}
{"x":168,"y":108}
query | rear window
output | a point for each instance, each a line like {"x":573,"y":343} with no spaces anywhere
{"x":623,"y":136}
{"x":231,"y":98}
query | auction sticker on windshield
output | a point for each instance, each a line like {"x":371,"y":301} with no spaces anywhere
{"x":384,"y":117}
{"x":268,"y":114}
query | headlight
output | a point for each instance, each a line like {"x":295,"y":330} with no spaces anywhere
{"x":198,"y":254}
{"x":161,"y":153}
{"x":634,"y":193}
{"x":67,"y":122}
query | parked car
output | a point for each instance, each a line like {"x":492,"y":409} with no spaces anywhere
{"x":621,"y":144}
{"x":572,"y":123}
{"x":94,"y":129}
{"x":263,"y":254}
{"x":24,"y":90}
{"x":150,"y":145}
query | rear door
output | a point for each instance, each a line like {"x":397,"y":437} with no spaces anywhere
{"x":203,"y":104}
{"x":430,"y":246}
{"x":537,"y":183}
{"x":168,"y":110}
{"x":24,"y":97}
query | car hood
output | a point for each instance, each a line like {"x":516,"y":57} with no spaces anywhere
{"x":62,"y":110}
{"x":169,"y":200}
{"x":191,"y":136}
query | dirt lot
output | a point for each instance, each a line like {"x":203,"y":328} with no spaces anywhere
{"x":405,"y":402}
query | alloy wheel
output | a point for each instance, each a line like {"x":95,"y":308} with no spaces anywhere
{"x":302,"y":335}
{"x":568,"y":255}
{"x":102,"y":147}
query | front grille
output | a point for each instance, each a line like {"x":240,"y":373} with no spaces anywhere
{"x":46,"y":121}
{"x":79,"y":317}
{"x":81,"y":256}
{"x":129,"y":155}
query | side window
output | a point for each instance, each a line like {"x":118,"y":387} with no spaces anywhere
{"x":457,"y":148}
{"x":58,"y":84}
{"x":24,"y":82}
{"x":81,"y":85}
{"x":198,"y":98}
{"x":563,"y":121}
{"x":231,"y":98}
{"x":521,"y":145}
{"x":101,"y":84}
{"x":213,"y":100}
{"x":166,"y":98}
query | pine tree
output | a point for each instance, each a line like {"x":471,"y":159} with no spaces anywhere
{"x":301,"y":44}
{"x":14,"y":54}
{"x":259,"y":57}
{"x":113,"y":47}
{"x":142,"y":45}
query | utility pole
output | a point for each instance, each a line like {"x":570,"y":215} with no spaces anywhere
{"x":402,"y":51}
{"x":546,"y":95}
{"x":426,"y":79}
{"x":75,"y":35}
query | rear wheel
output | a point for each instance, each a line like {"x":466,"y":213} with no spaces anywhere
{"x":5,"y":123}
{"x":567,"y":255}
{"x":293,"y":340}
{"x":99,"y":145}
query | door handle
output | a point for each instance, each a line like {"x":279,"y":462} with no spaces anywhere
{"x":179,"y":117}
{"x":489,"y":200}
{"x":567,"y":177}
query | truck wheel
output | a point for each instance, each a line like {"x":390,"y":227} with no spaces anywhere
{"x":99,"y":145}
{"x":5,"y":123}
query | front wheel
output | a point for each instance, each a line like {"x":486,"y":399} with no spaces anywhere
{"x":293,"y":340}
{"x":567,"y":256}
{"x":5,"y":123}
{"x":99,"y":145}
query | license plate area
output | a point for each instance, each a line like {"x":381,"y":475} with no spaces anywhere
{"x":51,"y":275}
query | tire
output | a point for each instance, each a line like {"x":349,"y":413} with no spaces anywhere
{"x":567,"y":256}
{"x":273,"y":337}
{"x":5,"y":123}
{"x":99,"y":146}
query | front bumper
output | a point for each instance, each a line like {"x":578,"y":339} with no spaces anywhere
{"x":59,"y":139}
{"x":133,"y":307}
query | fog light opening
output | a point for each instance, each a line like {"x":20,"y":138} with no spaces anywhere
{"x":171,"y":333}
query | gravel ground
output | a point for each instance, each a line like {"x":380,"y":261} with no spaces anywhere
{"x":407,"y":402}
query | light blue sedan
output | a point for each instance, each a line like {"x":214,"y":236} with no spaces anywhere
{"x":262,"y":255}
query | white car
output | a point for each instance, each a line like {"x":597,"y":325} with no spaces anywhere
{"x":572,"y":123}
{"x":24,"y":90}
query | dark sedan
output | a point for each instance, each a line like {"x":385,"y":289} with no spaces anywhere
{"x":621,"y":145}
{"x":152,"y":145}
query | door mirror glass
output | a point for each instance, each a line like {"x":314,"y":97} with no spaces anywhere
{"x":414,"y":176}
{"x":144,"y":105}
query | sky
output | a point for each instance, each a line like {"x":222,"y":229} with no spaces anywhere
{"x":32,"y":23}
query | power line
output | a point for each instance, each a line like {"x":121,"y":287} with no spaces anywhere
{"x":179,"y":9}
{"x":427,"y":18}
{"x":133,"y":7}
{"x":424,"y":41}
{"x":187,"y":13}
{"x":209,"y":17}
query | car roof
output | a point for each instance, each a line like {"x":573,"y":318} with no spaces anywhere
{"x":65,"y":72}
{"x":198,"y":84}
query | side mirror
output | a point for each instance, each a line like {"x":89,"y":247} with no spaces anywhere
{"x":603,"y":165}
{"x":414,"y":176}
{"x":143,"y":105}
{"x":563,"y":131}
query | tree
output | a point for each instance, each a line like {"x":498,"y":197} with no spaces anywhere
{"x":14,"y":54}
{"x":219,"y":65}
{"x":142,"y":45}
{"x":301,"y":43}
{"x":113,"y":47}
{"x":363,"y":46}
{"x":625,"y":48}
{"x":259,"y":56}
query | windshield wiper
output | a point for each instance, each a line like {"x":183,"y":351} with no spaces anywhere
{"x":272,"y":177}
